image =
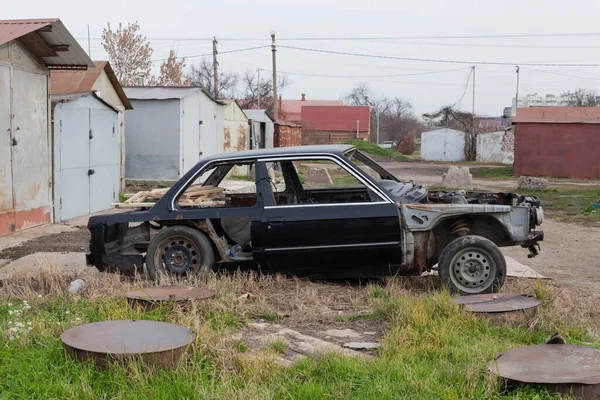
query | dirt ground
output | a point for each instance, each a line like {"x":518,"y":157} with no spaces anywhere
{"x":71,"y":242}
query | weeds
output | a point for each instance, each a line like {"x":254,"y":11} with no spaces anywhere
{"x":433,"y":349}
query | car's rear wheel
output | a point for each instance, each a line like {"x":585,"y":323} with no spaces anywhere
{"x":472,"y":265}
{"x":179,"y":251}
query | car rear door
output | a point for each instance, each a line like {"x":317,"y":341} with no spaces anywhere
{"x":329,"y":239}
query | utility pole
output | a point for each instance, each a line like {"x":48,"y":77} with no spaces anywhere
{"x":357,"y":127}
{"x":274,"y":50}
{"x":517,"y":96}
{"x":258,"y":89}
{"x":215,"y":68}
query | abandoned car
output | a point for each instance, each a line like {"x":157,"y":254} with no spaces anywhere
{"x":323,"y":211}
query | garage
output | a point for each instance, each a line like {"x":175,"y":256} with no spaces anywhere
{"x":29,"y":49}
{"x":86,"y":154}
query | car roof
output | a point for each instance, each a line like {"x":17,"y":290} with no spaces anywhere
{"x":338,"y":149}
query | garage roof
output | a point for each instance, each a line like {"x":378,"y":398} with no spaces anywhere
{"x":47,"y":39}
{"x":82,"y":81}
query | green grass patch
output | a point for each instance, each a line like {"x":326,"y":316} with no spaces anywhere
{"x":570,"y":203}
{"x":278,"y":345}
{"x":374,"y":149}
{"x":240,"y":177}
{"x":122,"y":197}
{"x":493,"y":173}
{"x":433,"y":350}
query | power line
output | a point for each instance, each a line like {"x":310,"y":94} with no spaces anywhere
{"x":437,"y":60}
{"x":466,"y":87}
{"x":210,"y":54}
{"x":360,"y":38}
{"x":560,"y":74}
{"x":371,"y":76}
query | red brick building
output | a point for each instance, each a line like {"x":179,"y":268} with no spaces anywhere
{"x":335,"y":124}
{"x":291,"y":110}
{"x":287,"y":134}
{"x":558,"y":142}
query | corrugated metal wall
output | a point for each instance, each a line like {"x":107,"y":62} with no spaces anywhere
{"x":557,"y":150}
{"x":25,"y":180}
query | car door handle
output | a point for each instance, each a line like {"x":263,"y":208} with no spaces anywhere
{"x":275,"y":220}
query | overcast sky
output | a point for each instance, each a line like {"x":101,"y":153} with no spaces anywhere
{"x":166,"y":23}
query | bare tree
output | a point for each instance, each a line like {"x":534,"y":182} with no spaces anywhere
{"x":203,"y":75}
{"x":396,"y":117}
{"x":129,"y":53}
{"x":583,"y":98}
{"x":263,"y":90}
{"x":171,"y":73}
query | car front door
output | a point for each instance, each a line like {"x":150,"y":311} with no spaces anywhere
{"x":331,"y":231}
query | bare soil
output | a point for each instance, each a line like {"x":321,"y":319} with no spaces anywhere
{"x":75,"y":241}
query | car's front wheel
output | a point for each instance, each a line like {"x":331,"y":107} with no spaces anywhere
{"x":472,"y":265}
{"x":179,"y":251}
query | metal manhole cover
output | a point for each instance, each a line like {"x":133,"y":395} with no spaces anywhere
{"x":562,"y":367}
{"x":167,"y":293}
{"x":498,"y":302}
{"x":156,"y":342}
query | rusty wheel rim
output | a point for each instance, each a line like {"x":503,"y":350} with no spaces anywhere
{"x":179,"y":256}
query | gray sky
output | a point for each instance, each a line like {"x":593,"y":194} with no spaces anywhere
{"x":253,"y":21}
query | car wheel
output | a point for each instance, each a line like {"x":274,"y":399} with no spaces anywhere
{"x":179,"y":251}
{"x":472,"y":265}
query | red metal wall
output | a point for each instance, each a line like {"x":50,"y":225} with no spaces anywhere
{"x":286,"y":136}
{"x":557,"y":149}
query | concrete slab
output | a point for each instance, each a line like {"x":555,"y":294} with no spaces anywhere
{"x":68,"y":262}
{"x":23,"y":236}
{"x":518,"y":270}
{"x":513,"y":268}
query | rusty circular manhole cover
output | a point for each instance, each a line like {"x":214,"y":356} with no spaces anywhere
{"x":563,"y":367}
{"x":160,"y":294}
{"x":498,"y":302}
{"x":157,"y":343}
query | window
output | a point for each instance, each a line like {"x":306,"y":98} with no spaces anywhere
{"x":318,"y":181}
{"x":225,"y":185}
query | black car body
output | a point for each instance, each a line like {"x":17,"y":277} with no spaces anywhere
{"x":375,"y":226}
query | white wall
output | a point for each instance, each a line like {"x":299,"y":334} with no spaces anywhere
{"x":211,"y":129}
{"x":24,"y":117}
{"x":443,"y":145}
{"x":496,"y":147}
{"x":190,"y":132}
{"x":235,"y":129}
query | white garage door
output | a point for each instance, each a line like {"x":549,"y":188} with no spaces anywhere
{"x":86,"y":158}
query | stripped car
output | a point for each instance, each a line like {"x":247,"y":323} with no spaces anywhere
{"x":327,"y":211}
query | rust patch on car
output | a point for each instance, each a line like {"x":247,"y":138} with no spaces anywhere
{"x":209,"y":230}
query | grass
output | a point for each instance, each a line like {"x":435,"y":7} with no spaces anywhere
{"x":570,"y":203}
{"x":432,"y":349}
{"x":493,"y":172}
{"x":374,"y":149}
{"x":240,"y":177}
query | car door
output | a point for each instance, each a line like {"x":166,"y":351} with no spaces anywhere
{"x":352,"y":238}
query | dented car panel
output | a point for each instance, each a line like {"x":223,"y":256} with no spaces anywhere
{"x":381,"y":226}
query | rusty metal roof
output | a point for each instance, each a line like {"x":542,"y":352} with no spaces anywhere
{"x":558,"y":115}
{"x":47,"y":39}
{"x":62,"y":82}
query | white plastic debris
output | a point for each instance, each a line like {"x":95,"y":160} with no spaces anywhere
{"x":77,"y":286}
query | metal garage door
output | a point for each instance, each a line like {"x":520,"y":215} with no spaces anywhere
{"x":86,"y":158}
